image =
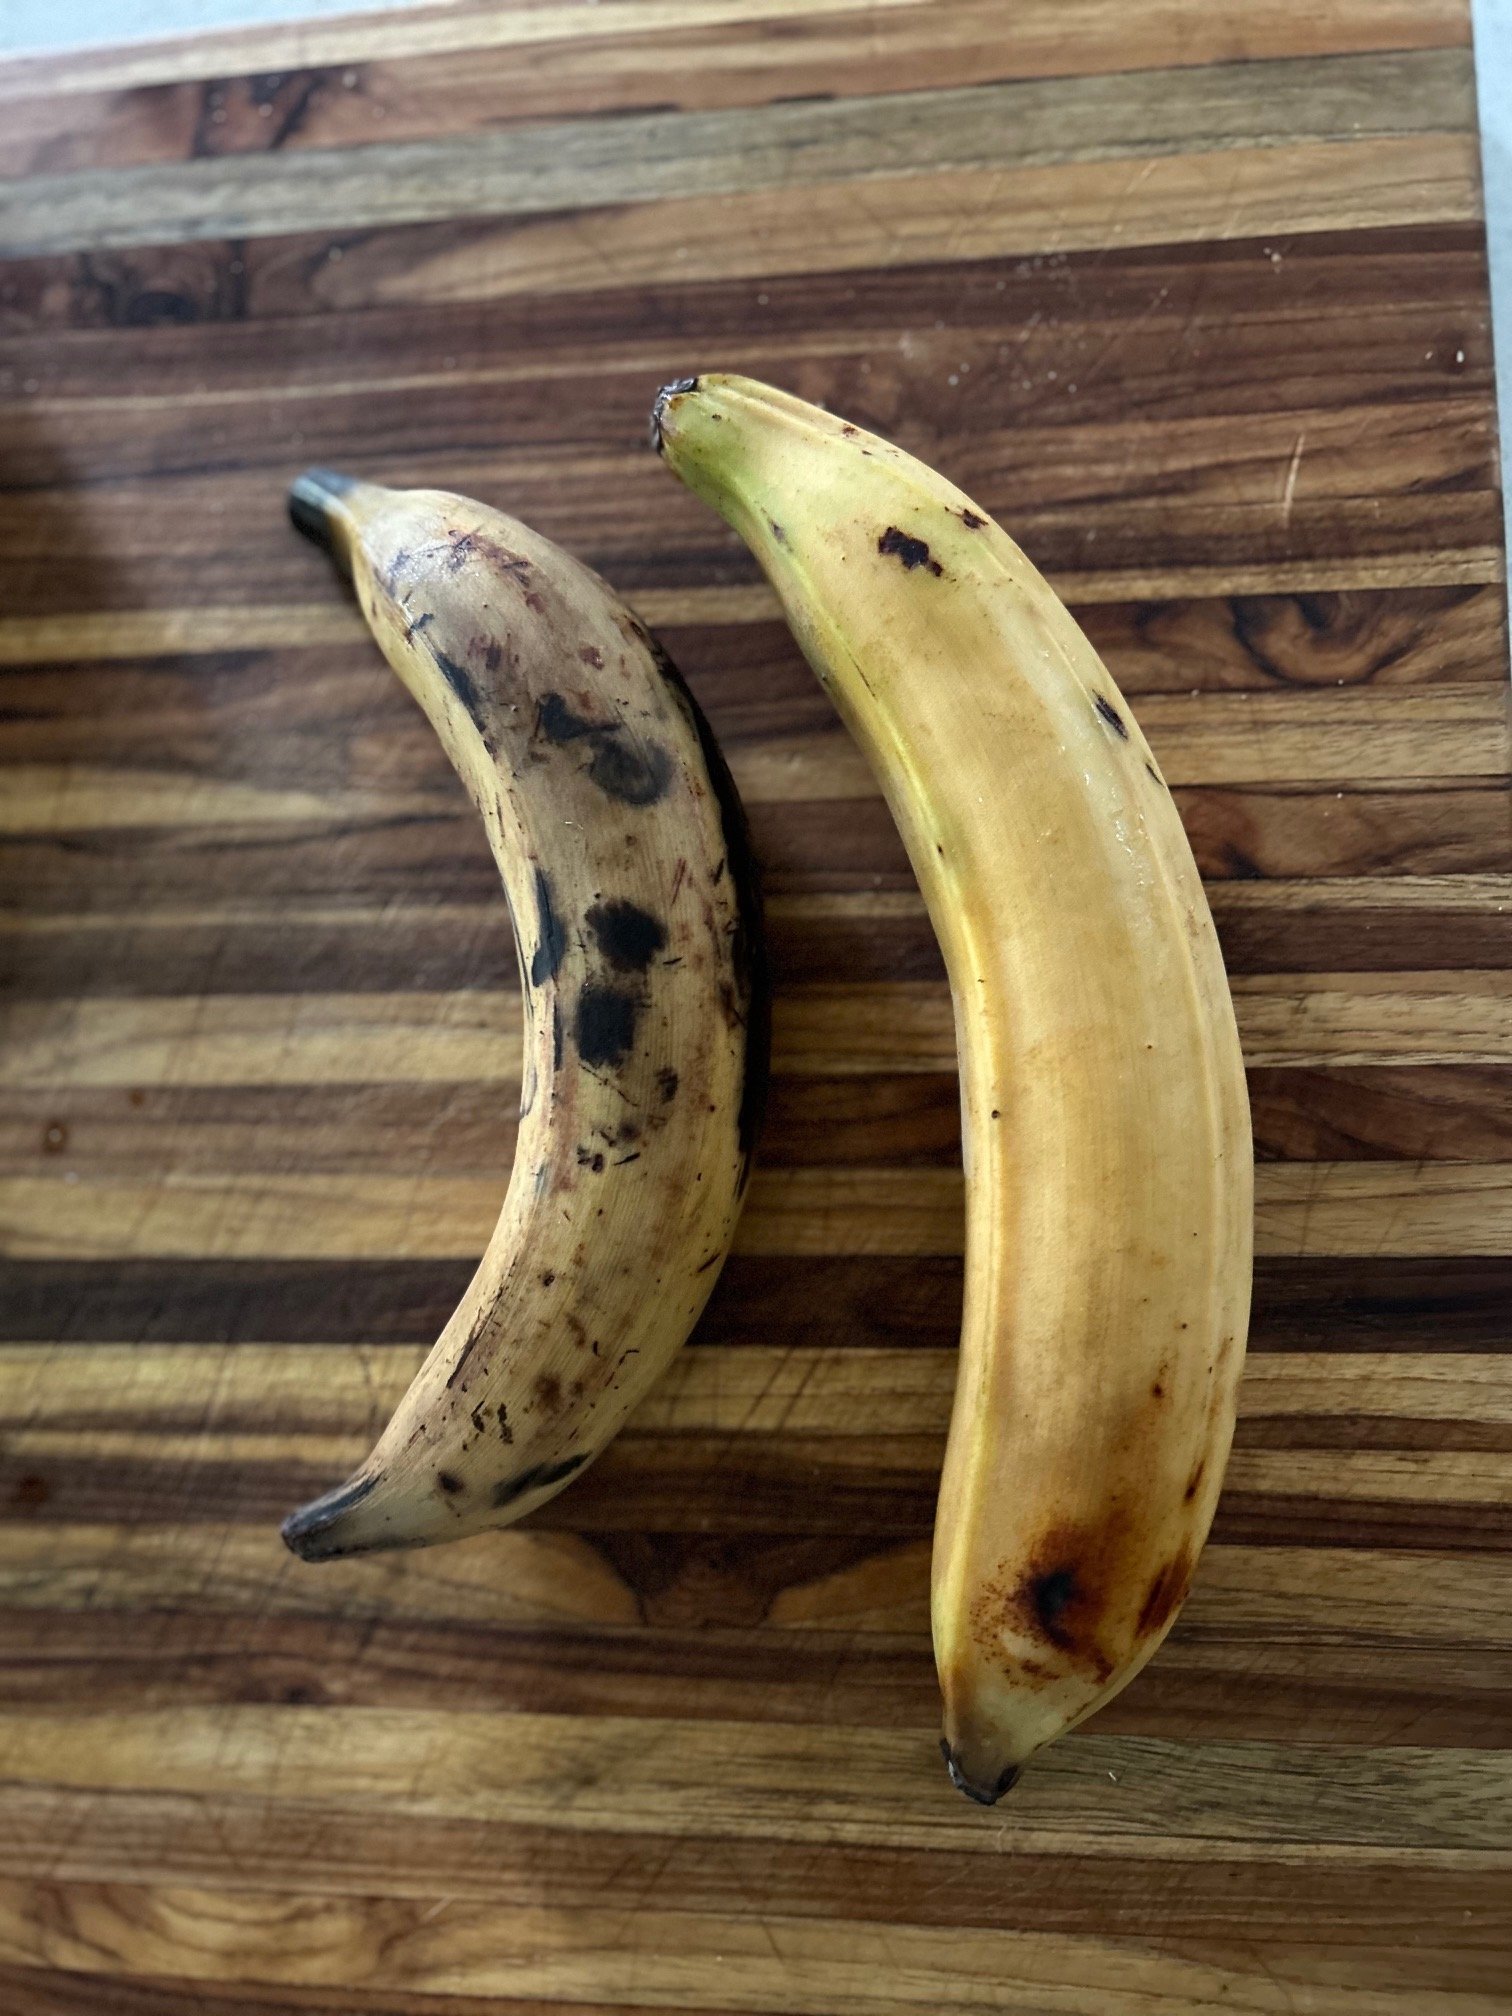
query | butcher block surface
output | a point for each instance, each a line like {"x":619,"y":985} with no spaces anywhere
{"x":1193,"y":297}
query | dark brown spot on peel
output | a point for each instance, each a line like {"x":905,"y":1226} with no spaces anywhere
{"x":449,"y":1483}
{"x":1111,"y":715}
{"x":461,"y":683}
{"x":1047,"y":1597}
{"x":1194,"y":1482}
{"x":1060,"y":1599}
{"x":912,"y":552}
{"x":548,"y":1392}
{"x":551,"y":943}
{"x":972,"y":520}
{"x":1166,"y":1595}
{"x":591,"y":655}
{"x":628,"y":936}
{"x":636,"y":773}
{"x":622,"y":766}
{"x":748,"y":955}
{"x":604,"y":1025}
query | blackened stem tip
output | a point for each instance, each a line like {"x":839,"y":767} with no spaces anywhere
{"x":982,"y":1795}
{"x":314,"y":1531}
{"x":659,"y":407}
{"x":314,"y":500}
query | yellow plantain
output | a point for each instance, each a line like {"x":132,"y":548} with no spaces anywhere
{"x":1104,"y":1117}
{"x":623,"y":852}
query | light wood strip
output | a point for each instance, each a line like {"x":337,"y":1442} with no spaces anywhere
{"x":887,"y":221}
{"x":434,"y":29}
{"x":689,"y":60}
{"x":111,"y":635}
{"x":267,"y":1399}
{"x":755,"y":1780}
{"x":670,"y":1959}
{"x":584,"y":163}
{"x":1462,"y":1479}
{"x":1314,"y":1208}
{"x":1236,"y":738}
{"x":530,"y":1578}
{"x":1051,"y":37}
{"x":1291,"y":1020}
{"x":714,"y":1965}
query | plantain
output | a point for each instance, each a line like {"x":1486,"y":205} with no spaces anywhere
{"x":624,"y":858}
{"x":1104,"y":1117}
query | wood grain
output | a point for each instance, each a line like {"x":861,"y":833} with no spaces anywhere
{"x":1195,"y":299}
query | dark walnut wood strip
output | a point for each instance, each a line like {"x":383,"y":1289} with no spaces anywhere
{"x":1347,"y":314}
{"x":210,"y":823}
{"x":1353,"y":1304}
{"x":876,"y":1488}
{"x":1243,"y":513}
{"x":1421,"y":194}
{"x":805,"y":847}
{"x":714,"y":1659}
{"x":392,"y":945}
{"x":1387,"y":318}
{"x":343,"y":85}
{"x":236,"y":712}
{"x":1452,"y":1113}
{"x":830,"y":848}
{"x":579,"y":164}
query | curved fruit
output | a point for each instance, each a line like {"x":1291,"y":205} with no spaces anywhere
{"x":1107,"y":1149}
{"x":623,"y":852}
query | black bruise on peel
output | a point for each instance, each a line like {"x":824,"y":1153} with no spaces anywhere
{"x":551,"y":947}
{"x":628,"y":936}
{"x":912,"y":552}
{"x":463,"y":685}
{"x":604,"y":1025}
{"x":748,"y":952}
{"x":1050,"y":1595}
{"x":634,"y":772}
{"x":535,"y":1479}
{"x":1111,"y":715}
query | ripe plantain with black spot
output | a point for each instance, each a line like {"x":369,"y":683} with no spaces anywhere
{"x":623,"y":853}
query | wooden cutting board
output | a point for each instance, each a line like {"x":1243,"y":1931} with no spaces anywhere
{"x":1194,"y":298}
